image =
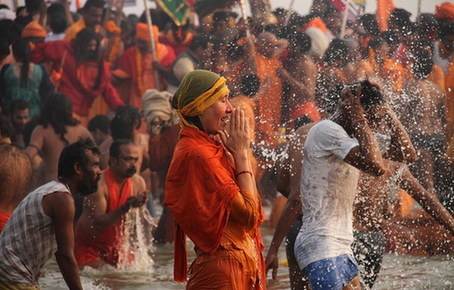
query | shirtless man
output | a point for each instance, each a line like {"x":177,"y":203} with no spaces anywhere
{"x":6,"y":130}
{"x":57,"y":129}
{"x":422,"y":115}
{"x":98,"y":232}
{"x":16,"y":173}
{"x":300,"y":73}
{"x":42,"y":224}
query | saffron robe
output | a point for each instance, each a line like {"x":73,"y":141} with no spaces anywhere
{"x":107,"y":245}
{"x":200,"y":190}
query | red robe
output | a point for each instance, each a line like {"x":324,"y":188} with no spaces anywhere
{"x":106,"y":246}
{"x":79,"y":93}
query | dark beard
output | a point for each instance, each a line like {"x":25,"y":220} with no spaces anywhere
{"x":87,"y":188}
{"x":131,"y":171}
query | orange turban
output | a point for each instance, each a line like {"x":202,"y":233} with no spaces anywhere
{"x":34,"y":29}
{"x":143,"y":34}
{"x":317,"y":23}
{"x":445,"y":11}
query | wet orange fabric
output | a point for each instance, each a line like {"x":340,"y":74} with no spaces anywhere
{"x":4,"y":217}
{"x":268,"y":103}
{"x":202,"y":193}
{"x":248,"y":105}
{"x":107,"y":245}
{"x":437,"y":76}
{"x":449,"y":82}
{"x":384,"y":9}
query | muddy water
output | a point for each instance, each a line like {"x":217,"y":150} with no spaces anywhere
{"x":399,"y":272}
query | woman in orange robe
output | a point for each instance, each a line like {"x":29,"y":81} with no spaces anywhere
{"x":214,"y":201}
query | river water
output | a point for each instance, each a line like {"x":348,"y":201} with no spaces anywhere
{"x":398,"y":272}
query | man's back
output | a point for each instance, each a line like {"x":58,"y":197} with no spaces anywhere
{"x":28,"y":239}
{"x":327,"y":192}
{"x":50,"y":144}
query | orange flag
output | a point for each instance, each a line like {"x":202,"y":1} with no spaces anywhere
{"x":384,"y":9}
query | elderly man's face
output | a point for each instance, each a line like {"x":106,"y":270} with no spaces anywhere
{"x":155,"y":126}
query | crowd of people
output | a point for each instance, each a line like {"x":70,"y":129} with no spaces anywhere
{"x":345,"y":129}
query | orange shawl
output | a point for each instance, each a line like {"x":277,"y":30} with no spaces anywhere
{"x":200,"y":188}
{"x":106,"y":246}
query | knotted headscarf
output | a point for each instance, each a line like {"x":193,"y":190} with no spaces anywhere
{"x":198,"y":90}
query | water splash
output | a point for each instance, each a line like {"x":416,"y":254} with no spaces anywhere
{"x":136,"y":253}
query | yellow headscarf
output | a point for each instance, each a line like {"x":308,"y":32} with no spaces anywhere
{"x":197,"y":92}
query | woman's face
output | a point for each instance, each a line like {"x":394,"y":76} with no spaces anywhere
{"x":216,"y":116}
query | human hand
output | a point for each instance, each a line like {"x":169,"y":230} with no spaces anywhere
{"x":136,"y":201}
{"x":236,"y":138}
{"x":272,"y":262}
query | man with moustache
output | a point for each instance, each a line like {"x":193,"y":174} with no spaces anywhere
{"x":42,"y":223}
{"x":100,"y":228}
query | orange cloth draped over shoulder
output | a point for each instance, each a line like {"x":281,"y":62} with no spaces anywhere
{"x":106,"y":246}
{"x":208,"y":206}
{"x":449,"y":82}
{"x":200,"y":188}
{"x":4,"y":217}
{"x":268,"y":103}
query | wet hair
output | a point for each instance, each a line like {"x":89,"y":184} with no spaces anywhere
{"x":199,"y":41}
{"x":371,"y":95}
{"x":370,"y":24}
{"x":422,"y":65}
{"x":57,"y":111}
{"x":100,"y":122}
{"x":401,"y":18}
{"x":115,"y":148}
{"x":9,"y":31}
{"x":99,"y":4}
{"x":21,"y":51}
{"x":6,"y":129}
{"x":336,"y":52}
{"x":302,"y":41}
{"x":75,"y":153}
{"x":3,"y":6}
{"x":250,"y":84}
{"x":80,"y":44}
{"x":18,"y":105}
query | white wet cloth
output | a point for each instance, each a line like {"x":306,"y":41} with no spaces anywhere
{"x":328,"y":188}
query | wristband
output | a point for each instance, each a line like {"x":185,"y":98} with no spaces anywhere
{"x":243,"y":172}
